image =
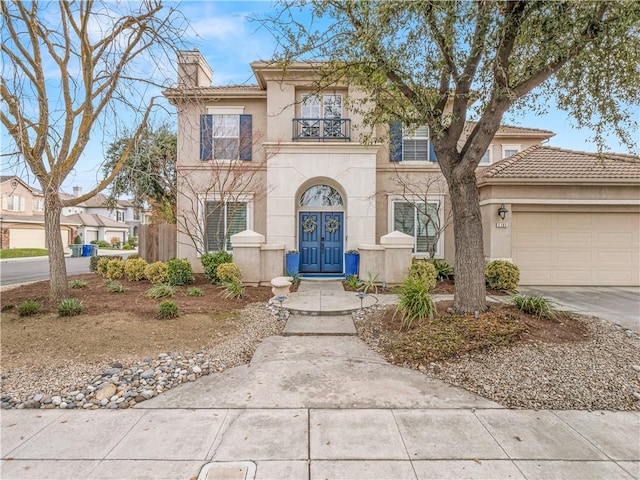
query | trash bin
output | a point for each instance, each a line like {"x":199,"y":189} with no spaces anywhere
{"x":86,"y":250}
{"x":94,"y":250}
{"x":76,"y":250}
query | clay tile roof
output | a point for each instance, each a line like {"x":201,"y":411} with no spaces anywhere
{"x":554,"y":163}
{"x":513,"y":130}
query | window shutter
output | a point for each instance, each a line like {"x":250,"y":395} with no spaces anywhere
{"x":395,"y":142}
{"x":432,"y":153}
{"x":206,"y":137}
{"x":246,"y":141}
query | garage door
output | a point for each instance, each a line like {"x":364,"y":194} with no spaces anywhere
{"x":577,"y":248}
{"x":26,"y":238}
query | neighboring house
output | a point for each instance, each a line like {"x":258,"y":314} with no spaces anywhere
{"x":22,"y":216}
{"x":93,"y":227}
{"x":133,"y":216}
{"x":302,"y":178}
{"x":102,"y":222}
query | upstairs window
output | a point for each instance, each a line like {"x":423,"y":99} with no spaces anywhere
{"x":38,"y":205}
{"x":487,"y":158}
{"x":321,"y":117}
{"x":225,"y":137}
{"x":120,"y":216}
{"x":510,"y":150}
{"x":13,"y":203}
{"x":411,"y":144}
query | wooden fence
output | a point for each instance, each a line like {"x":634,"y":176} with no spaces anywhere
{"x":157,"y":243}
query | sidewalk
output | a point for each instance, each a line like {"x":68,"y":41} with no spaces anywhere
{"x":319,"y":407}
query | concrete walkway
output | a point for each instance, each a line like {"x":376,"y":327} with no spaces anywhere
{"x":319,"y":406}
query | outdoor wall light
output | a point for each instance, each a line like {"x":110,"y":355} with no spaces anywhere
{"x":502,"y":211}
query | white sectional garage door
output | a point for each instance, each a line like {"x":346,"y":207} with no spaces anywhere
{"x":26,"y":238}
{"x":557,"y":248}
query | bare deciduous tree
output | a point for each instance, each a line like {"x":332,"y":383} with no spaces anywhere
{"x":69,"y":69}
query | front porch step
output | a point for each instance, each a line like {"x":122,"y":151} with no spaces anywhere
{"x":319,"y":325}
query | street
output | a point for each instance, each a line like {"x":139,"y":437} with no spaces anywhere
{"x":22,"y":270}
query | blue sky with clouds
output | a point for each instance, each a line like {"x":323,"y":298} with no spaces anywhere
{"x":229,"y":40}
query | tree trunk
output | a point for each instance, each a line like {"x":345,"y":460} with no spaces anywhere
{"x":57,"y":265}
{"x":470,"y":292}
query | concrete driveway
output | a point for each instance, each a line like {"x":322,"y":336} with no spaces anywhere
{"x":620,"y":305}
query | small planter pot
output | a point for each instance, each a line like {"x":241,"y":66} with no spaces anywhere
{"x":292,"y":263}
{"x":351,"y":264}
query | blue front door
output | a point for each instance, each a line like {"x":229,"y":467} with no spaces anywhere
{"x":320,"y":236}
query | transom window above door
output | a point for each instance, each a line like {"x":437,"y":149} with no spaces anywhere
{"x":321,"y":196}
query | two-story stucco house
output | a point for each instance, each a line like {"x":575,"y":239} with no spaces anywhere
{"x":288,"y":162}
{"x":22,"y":216}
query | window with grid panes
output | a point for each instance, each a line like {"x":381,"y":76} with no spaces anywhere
{"x":222,"y":220}
{"x":418,"y":220}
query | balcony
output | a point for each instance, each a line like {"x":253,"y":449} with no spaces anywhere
{"x":322,"y":129}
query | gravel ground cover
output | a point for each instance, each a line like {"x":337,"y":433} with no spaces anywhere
{"x":600,"y":372}
{"x":118,"y":384}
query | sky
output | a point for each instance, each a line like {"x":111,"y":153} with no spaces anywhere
{"x":230,"y":41}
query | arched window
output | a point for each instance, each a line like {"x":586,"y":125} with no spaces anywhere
{"x":321,"y":196}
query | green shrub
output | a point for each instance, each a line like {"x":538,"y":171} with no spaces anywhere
{"x":195,"y":292}
{"x":126,"y":246}
{"x":424,"y":271}
{"x":93,"y":262}
{"x":502,"y":275}
{"x":134,"y":269}
{"x":537,"y":305}
{"x":133,"y":241}
{"x":29,"y":307}
{"x":115,"y":269}
{"x":233,"y":289}
{"x":70,"y":307}
{"x":179,"y":272}
{"x":102,"y":264}
{"x":210,"y":262}
{"x":78,"y":284}
{"x":156,"y":272}
{"x":353,"y":282}
{"x":161,"y":290}
{"x":114,"y":286}
{"x":102,"y":243}
{"x":443,"y":269}
{"x":415,"y":303}
{"x":77,"y":240}
{"x":167,"y":309}
{"x":228,"y":271}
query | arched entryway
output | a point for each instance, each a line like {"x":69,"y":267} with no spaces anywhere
{"x":321,"y":230}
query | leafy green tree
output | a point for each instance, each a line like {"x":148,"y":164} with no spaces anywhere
{"x":441,"y":63}
{"x":148,"y":175}
{"x":70,"y":71}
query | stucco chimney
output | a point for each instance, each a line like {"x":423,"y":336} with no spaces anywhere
{"x":193,"y":69}
{"x":77,"y":191}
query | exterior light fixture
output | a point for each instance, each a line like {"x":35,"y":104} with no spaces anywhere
{"x":502,"y":211}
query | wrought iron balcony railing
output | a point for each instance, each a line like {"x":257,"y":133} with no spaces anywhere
{"x":322,"y":129}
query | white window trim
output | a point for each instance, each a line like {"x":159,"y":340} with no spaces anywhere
{"x":439,"y":199}
{"x":247,"y":198}
{"x":510,"y":146}
{"x":490,"y":150}
{"x":225,"y":110}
